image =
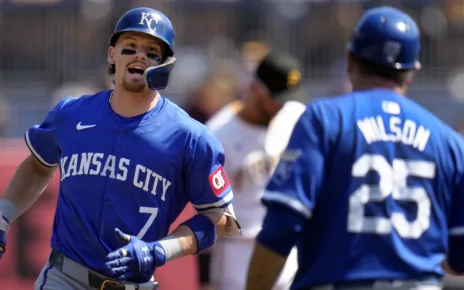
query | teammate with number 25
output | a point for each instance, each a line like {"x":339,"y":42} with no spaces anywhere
{"x":130,"y":160}
{"x":371,"y":185}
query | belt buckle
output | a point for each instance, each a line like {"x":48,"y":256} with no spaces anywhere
{"x":109,"y":282}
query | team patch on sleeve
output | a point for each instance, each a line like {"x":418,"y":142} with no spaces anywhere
{"x":218,"y":181}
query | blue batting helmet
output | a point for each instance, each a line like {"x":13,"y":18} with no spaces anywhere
{"x":156,"y":24}
{"x":148,"y":21}
{"x":387,"y":37}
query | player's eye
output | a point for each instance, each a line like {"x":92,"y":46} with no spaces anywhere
{"x":154,"y":57}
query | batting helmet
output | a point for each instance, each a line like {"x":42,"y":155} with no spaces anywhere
{"x":387,"y":37}
{"x":156,"y":24}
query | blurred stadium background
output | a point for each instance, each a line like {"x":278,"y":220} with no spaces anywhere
{"x":56,"y":48}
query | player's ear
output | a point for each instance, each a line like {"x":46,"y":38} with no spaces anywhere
{"x":410,"y":75}
{"x":260,"y":90}
{"x":111,"y":54}
{"x":417,"y":66}
{"x":350,"y":63}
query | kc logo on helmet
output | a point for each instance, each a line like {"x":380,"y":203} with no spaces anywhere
{"x":148,"y":18}
{"x":218,"y":181}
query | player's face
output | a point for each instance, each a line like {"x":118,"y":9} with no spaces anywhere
{"x":133,"y":53}
{"x":264,"y":104}
{"x":271,"y":108}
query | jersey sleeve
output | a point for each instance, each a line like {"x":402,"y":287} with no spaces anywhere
{"x":456,"y":216}
{"x":207,"y":183}
{"x":456,"y":220}
{"x":42,"y":139}
{"x":299,"y":175}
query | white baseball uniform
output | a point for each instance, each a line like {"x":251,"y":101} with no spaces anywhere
{"x":249,"y":167}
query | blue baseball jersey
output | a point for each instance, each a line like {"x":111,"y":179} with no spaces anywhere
{"x":136,"y":174}
{"x":379,"y":182}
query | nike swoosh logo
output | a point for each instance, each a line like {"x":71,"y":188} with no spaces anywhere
{"x":82,"y":127}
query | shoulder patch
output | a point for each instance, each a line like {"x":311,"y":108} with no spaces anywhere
{"x":218,"y":181}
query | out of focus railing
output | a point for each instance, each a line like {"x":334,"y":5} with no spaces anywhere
{"x":45,"y":44}
{"x":60,"y":40}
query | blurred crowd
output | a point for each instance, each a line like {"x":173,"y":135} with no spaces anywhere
{"x":56,"y":48}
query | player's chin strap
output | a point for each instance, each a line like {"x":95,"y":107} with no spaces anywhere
{"x":157,"y":77}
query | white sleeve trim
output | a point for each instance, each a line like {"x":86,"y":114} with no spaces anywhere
{"x":37,"y":155}
{"x":226,"y":199}
{"x":457,"y":231}
{"x":288,"y":201}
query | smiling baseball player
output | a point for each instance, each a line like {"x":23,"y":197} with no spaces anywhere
{"x":130,"y":160}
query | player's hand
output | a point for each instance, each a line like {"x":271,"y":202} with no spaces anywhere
{"x":136,"y":261}
{"x":4,"y":225}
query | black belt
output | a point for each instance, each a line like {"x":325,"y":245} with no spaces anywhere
{"x":95,"y":280}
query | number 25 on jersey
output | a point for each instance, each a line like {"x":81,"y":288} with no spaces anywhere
{"x":392,"y":182}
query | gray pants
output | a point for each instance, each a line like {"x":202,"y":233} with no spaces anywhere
{"x":52,"y":279}
{"x":72,"y":276}
{"x":383,"y":285}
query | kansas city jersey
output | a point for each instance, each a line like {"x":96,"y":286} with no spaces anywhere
{"x":136,"y":174}
{"x":379,"y":180}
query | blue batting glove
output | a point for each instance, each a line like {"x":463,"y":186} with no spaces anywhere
{"x":136,"y":261}
{"x":4,"y":225}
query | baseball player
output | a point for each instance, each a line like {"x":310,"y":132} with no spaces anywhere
{"x":129,"y":161}
{"x":242,"y":129}
{"x":370,"y":187}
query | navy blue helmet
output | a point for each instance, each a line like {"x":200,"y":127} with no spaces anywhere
{"x":148,"y":21}
{"x":387,"y":37}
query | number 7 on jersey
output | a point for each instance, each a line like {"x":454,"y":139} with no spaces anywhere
{"x":153,"y":211}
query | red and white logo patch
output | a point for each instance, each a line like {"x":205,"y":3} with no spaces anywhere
{"x":218,"y":181}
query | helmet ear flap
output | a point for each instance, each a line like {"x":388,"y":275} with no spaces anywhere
{"x":157,"y":77}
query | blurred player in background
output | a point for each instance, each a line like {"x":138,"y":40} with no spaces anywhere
{"x":241,"y":127}
{"x":251,"y":54}
{"x":371,"y":185}
{"x":212,"y":95}
{"x":130,"y":160}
